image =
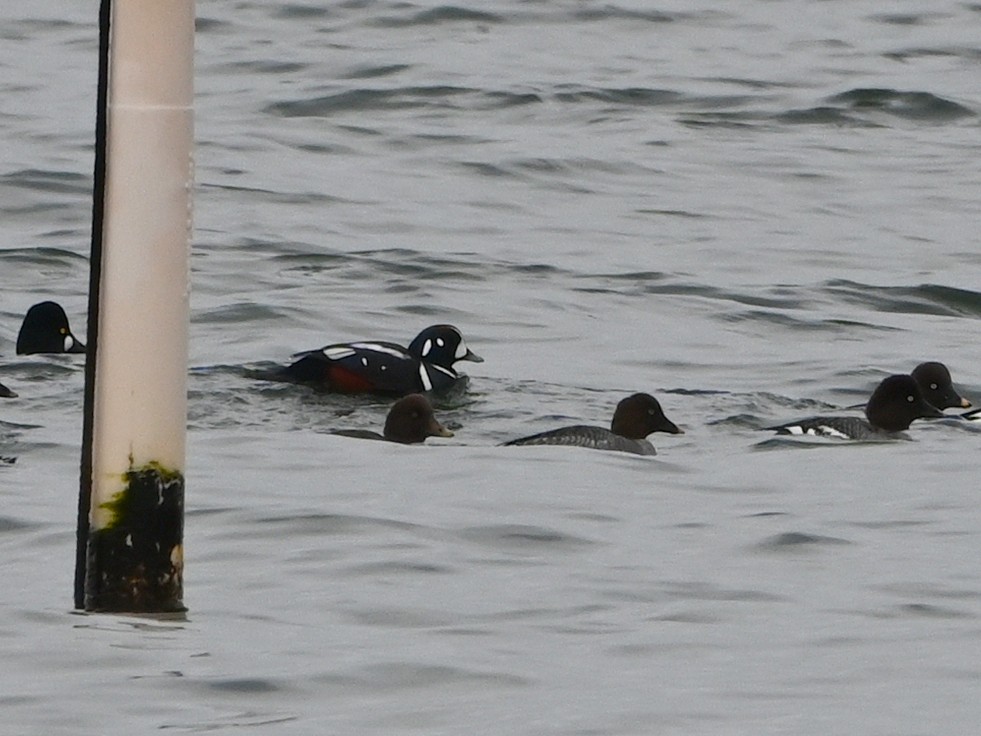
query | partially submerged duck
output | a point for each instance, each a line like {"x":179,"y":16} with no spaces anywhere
{"x":410,"y":421}
{"x":45,"y":329}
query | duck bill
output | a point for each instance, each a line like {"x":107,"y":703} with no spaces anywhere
{"x":472,"y":356}
{"x":671,"y":428}
{"x":438,"y":430}
{"x":76,"y":346}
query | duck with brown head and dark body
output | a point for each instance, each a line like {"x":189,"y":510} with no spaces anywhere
{"x":634,"y":419}
{"x":410,"y":421}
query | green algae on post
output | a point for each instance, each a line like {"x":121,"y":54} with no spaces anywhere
{"x":136,"y":561}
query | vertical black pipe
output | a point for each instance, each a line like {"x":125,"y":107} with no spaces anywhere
{"x":95,"y":279}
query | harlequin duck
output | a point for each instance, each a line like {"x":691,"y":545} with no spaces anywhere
{"x":6,"y":392}
{"x":410,"y":421}
{"x":635,"y":417}
{"x":937,"y":387}
{"x":893,"y":406}
{"x":383,"y":367}
{"x":45,"y":330}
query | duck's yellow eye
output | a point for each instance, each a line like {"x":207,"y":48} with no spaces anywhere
{"x":63,"y":330}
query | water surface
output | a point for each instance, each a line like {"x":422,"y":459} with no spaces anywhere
{"x":754,"y":211}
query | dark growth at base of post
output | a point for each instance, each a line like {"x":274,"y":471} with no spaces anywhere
{"x":135,"y":564}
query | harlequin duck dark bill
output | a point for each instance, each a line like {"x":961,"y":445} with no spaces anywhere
{"x":6,"y":392}
{"x":45,"y":330}
{"x":468,"y":354}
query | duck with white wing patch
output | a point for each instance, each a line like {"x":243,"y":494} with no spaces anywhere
{"x":383,"y":367}
{"x":895,"y":404}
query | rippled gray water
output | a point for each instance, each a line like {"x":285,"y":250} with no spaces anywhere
{"x":753,"y":210}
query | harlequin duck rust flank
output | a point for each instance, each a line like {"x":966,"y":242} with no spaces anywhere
{"x":635,"y":417}
{"x":410,"y":421}
{"x":45,"y":330}
{"x":896,"y":402}
{"x":383,"y":367}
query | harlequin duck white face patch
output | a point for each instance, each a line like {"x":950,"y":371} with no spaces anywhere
{"x":461,"y":350}
{"x":426,"y":347}
{"x":69,"y":343}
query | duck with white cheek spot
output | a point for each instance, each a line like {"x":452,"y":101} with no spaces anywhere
{"x":45,"y":330}
{"x":382,"y":367}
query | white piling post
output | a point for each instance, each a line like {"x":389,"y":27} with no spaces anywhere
{"x":136,"y":388}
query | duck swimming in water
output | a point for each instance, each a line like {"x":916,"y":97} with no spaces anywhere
{"x":635,"y":417}
{"x":410,"y":421}
{"x":45,"y":330}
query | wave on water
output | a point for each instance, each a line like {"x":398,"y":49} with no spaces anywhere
{"x":40,"y":180}
{"x":435,"y":97}
{"x":523,"y":538}
{"x":435,"y":16}
{"x":923,"y":106}
{"x":862,"y":108}
{"x":407,"y":15}
{"x":795,"y":541}
{"x":922,"y":299}
{"x":478,"y":268}
{"x":448,"y":97}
